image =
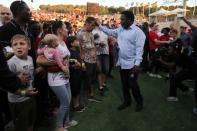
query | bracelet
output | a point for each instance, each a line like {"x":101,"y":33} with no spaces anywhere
{"x":23,"y":93}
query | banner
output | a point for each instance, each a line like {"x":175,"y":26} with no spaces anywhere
{"x":92,"y":8}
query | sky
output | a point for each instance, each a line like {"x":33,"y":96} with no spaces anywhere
{"x":115,"y":3}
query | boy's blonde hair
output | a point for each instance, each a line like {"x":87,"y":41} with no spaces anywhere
{"x":50,"y":40}
{"x":19,"y":36}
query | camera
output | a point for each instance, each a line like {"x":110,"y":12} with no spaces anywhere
{"x":72,"y":61}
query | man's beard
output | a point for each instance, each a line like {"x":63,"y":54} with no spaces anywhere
{"x":26,"y":19}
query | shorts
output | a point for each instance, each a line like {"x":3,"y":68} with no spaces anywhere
{"x":103,"y":64}
{"x":90,"y":74}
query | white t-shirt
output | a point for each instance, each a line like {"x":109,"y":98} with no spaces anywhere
{"x":103,"y":38}
{"x":60,"y":78}
{"x":18,"y":66}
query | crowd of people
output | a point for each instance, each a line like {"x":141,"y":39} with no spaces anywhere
{"x":51,"y":67}
{"x":75,"y":19}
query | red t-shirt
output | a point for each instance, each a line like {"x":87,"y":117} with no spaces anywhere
{"x":164,"y":38}
{"x":152,"y":36}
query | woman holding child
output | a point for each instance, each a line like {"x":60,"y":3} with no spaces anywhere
{"x":59,"y":81}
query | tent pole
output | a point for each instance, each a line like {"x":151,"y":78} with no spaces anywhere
{"x":184,"y":6}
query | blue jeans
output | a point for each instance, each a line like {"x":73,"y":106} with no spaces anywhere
{"x":63,"y":93}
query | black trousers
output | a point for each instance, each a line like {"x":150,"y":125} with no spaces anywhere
{"x":194,"y":58}
{"x":4,"y":109}
{"x":145,"y":61}
{"x":129,"y":81}
{"x":1,"y":121}
{"x":111,"y":63}
{"x":155,"y":65}
{"x":177,"y":79}
{"x":195,"y":90}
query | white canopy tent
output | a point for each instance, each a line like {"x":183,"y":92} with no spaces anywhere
{"x":178,"y":10}
{"x":161,"y":12}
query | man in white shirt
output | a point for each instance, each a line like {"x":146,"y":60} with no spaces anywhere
{"x":130,"y":39}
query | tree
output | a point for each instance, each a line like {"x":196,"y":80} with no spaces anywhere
{"x":112,"y":10}
{"x":121,"y":9}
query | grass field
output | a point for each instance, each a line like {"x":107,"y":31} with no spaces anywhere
{"x":157,"y":115}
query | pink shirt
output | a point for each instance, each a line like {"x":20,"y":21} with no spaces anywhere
{"x":51,"y":54}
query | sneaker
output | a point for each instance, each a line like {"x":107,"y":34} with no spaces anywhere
{"x":65,"y":130}
{"x":70,"y":124}
{"x":188,"y":92}
{"x":79,"y":108}
{"x":151,"y":74}
{"x":93,"y":99}
{"x":171,"y":98}
{"x":195,"y":110}
{"x":158,"y":76}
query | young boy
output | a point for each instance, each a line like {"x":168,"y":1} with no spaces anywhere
{"x":76,"y":68}
{"x":22,"y":107}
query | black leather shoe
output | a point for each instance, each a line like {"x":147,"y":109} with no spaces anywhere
{"x":139,"y":107}
{"x":123,"y":106}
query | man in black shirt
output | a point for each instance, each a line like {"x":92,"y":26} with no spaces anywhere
{"x":193,"y":54}
{"x":21,"y":16}
{"x":19,"y":25}
{"x":187,"y":70}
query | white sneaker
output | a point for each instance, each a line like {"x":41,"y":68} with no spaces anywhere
{"x":65,"y":130}
{"x":151,"y":74}
{"x":70,"y":124}
{"x":158,"y":76}
{"x":171,"y":98}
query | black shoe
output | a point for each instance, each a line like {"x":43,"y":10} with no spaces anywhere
{"x":79,"y":108}
{"x":139,"y":107}
{"x":101,"y":91}
{"x":123,"y":106}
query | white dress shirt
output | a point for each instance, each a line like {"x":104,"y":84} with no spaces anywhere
{"x":131,"y":44}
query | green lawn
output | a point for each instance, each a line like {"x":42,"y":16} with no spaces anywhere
{"x":157,"y":115}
